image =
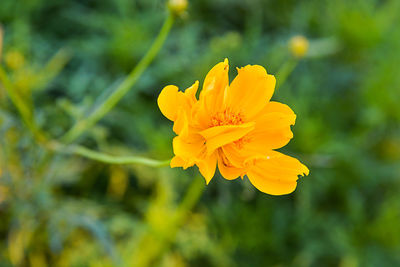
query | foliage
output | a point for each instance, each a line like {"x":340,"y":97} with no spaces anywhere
{"x":65,"y":57}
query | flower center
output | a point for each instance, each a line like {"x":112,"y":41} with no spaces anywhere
{"x":226,"y":117}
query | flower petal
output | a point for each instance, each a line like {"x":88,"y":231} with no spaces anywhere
{"x":181,"y":124}
{"x":177,"y":162}
{"x":190,"y":148}
{"x":226,"y":168}
{"x":271,"y":186}
{"x":214,"y":86}
{"x":170,"y":100}
{"x":219,"y":136}
{"x":236,"y":156}
{"x":273,"y":106}
{"x":250,"y":91}
{"x":275,"y":174}
{"x":207,"y":166}
{"x":190,"y":93}
{"x":272,"y":130}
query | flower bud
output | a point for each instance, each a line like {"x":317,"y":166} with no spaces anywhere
{"x":177,"y":6}
{"x":298,"y":46}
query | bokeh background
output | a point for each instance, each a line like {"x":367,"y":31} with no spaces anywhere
{"x":66,"y":210}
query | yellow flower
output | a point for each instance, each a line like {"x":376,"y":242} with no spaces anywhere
{"x":298,"y":46}
{"x":234,"y":126}
{"x":177,"y":6}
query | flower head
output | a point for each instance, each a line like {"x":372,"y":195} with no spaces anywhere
{"x":298,"y":46}
{"x":177,"y":6}
{"x":234,"y":126}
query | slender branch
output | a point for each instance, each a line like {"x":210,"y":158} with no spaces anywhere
{"x":19,"y":103}
{"x":106,"y":158}
{"x":52,"y":68}
{"x":285,"y":71}
{"x":82,"y":125}
{"x":191,"y":198}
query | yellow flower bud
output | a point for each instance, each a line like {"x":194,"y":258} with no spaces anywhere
{"x":14,"y":60}
{"x":177,"y":6}
{"x":298,"y":46}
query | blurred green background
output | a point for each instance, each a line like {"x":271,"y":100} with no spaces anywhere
{"x":65,"y":210}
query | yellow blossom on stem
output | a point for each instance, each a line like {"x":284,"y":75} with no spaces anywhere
{"x":234,"y":126}
{"x":177,"y":6}
{"x":298,"y":46}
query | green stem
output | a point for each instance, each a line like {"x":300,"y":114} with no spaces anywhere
{"x":82,"y":125}
{"x":285,"y":71}
{"x":191,"y":197}
{"x":51,"y":69}
{"x":110,"y":159}
{"x":19,"y":103}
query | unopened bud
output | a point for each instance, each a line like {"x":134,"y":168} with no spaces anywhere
{"x":298,"y":46}
{"x":177,"y":6}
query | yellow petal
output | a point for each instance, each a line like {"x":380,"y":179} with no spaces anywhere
{"x":207,"y":166}
{"x":200,"y":116}
{"x":250,"y":91}
{"x":275,"y":174}
{"x":177,"y":162}
{"x":267,"y":140}
{"x":272,"y":130}
{"x":236,"y":156}
{"x":214,"y":86}
{"x":226,"y":168}
{"x":181,"y":124}
{"x":219,"y":136}
{"x":190,"y":92}
{"x":273,"y":106}
{"x":189,"y":148}
{"x":276,"y":119}
{"x":170,"y":100}
{"x":271,"y":186}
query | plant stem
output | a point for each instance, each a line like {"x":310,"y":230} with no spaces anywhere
{"x":110,"y":159}
{"x":285,"y":71}
{"x":191,"y":197}
{"x":23,"y":110}
{"x":82,"y":125}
